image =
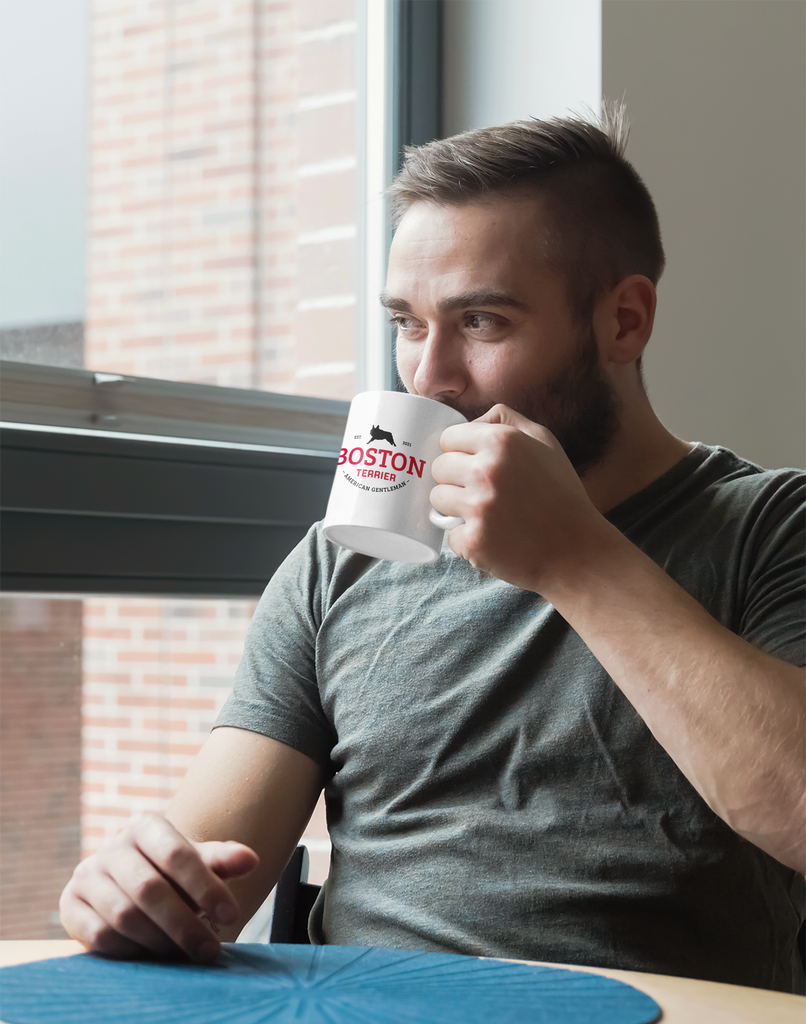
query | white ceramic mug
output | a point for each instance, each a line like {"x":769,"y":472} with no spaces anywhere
{"x":379,"y":504}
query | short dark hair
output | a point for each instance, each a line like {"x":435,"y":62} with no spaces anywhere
{"x":603,"y":224}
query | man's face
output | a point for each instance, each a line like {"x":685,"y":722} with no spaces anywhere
{"x":481,"y":318}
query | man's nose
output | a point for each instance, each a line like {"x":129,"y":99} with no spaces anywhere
{"x":440,"y":373}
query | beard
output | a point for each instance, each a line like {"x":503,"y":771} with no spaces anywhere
{"x":578,"y":405}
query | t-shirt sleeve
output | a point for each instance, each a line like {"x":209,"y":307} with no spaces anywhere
{"x":275,"y":692}
{"x":774,"y":603}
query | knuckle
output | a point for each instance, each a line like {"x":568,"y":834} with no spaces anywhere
{"x":104,"y":939}
{"x":147,"y":887}
{"x":134,"y":823}
{"x":66,"y":910}
{"x":492,"y":456}
{"x":144,"y":821}
{"x":121,"y":915}
{"x":83,"y":872}
{"x":472,"y":539}
{"x":67,"y":898}
{"x":490,"y":477}
{"x":115,"y":843}
{"x":187,"y":938}
{"x":85,"y":867}
{"x":508,"y":439}
{"x":481,"y":501}
{"x":475,"y":512}
{"x":176,"y":857}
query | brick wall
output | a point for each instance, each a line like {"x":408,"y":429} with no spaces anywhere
{"x":222,"y":240}
{"x":222,"y":250}
{"x":156,"y":673}
{"x":222,"y":197}
{"x":40,"y":755}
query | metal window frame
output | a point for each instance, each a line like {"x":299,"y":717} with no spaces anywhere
{"x":128,"y":485}
{"x":417,"y":70}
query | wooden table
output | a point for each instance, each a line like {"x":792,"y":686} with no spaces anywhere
{"x":683,"y":1000}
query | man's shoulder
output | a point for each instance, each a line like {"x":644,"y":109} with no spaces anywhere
{"x":724,"y":464}
{"x":725,"y":479}
{"x":712,"y":474}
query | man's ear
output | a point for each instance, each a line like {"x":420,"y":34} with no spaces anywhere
{"x":623,"y":319}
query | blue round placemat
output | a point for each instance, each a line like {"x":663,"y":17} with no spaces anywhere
{"x":256,"y":984}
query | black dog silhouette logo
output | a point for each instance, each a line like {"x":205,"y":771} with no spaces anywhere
{"x":376,"y":434}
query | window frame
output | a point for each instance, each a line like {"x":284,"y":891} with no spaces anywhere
{"x":127,"y":485}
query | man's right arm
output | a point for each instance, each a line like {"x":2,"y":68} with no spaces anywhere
{"x":227,"y":836}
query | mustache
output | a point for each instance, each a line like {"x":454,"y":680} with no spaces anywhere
{"x":470,"y":412}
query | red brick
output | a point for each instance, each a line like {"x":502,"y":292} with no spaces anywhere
{"x":152,"y":26}
{"x":110,"y":812}
{"x":228,"y":358}
{"x":157,"y":792}
{"x":158,"y":747}
{"x":192,"y":657}
{"x":140,"y":610}
{"x":167,"y":770}
{"x":164,"y":725}
{"x":229,"y":262}
{"x":112,"y":767}
{"x":197,"y":336}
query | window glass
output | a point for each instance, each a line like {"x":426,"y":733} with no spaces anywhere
{"x":104,"y":703}
{"x":43,"y":179}
{"x":179,"y":190}
{"x":40,"y":761}
{"x":178,"y":199}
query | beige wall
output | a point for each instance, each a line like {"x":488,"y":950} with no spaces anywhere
{"x":715,"y":93}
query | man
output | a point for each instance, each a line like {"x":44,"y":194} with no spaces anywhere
{"x":577,"y":736}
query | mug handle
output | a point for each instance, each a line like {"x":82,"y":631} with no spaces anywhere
{"x":444,"y":522}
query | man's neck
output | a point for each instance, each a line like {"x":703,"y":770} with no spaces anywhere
{"x":642,"y":451}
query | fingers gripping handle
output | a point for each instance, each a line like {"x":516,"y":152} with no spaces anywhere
{"x":444,"y":522}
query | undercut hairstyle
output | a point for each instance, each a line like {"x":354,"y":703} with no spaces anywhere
{"x":602,"y":224}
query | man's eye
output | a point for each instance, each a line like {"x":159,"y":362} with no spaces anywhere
{"x":479,"y":322}
{"x":402,"y":323}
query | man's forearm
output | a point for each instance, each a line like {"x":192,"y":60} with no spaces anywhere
{"x":252,"y":789}
{"x":731,"y":717}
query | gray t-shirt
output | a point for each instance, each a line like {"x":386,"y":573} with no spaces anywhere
{"x":491,"y":791}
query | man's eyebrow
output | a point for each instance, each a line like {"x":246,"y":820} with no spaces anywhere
{"x":390,"y":302}
{"x":459,"y":301}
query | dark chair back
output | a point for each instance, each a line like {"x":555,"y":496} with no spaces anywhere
{"x":293,"y":900}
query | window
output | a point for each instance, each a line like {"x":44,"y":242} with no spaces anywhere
{"x":176,"y":370}
{"x":220,"y":154}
